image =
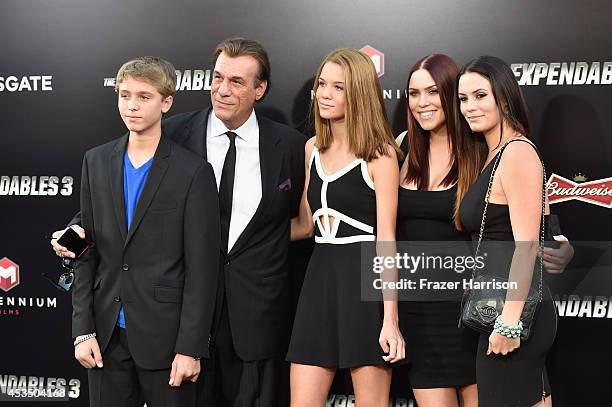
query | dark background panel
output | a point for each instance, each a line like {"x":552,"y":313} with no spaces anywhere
{"x":45,"y":133}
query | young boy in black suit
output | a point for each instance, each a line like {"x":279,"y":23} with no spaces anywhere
{"x":143,"y":297}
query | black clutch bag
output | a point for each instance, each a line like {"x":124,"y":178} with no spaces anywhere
{"x":482,"y":305}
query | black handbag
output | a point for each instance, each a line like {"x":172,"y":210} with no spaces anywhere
{"x":481,"y":306}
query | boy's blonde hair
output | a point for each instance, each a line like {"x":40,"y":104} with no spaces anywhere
{"x":155,"y":71}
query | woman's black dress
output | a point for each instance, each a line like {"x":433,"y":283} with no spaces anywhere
{"x":333,"y":327}
{"x":518,"y":379}
{"x":438,"y":353}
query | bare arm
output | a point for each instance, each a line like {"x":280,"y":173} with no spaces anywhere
{"x":520,"y":185}
{"x":521,"y":175}
{"x":385,"y":174}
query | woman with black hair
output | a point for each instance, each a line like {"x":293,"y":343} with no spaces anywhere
{"x":505,"y":204}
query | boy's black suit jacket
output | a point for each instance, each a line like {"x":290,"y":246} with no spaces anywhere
{"x":164,"y":268}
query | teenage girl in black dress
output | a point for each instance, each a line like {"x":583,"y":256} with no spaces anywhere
{"x":351,"y":196}
{"x":509,"y":372}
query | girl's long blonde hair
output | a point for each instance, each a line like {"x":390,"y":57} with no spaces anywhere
{"x":368,"y":132}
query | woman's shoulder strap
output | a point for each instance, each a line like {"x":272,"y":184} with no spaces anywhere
{"x":523,"y":139}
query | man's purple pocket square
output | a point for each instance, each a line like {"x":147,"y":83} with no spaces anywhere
{"x":285,"y":185}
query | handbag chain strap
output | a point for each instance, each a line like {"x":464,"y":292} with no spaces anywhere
{"x":484,"y":215}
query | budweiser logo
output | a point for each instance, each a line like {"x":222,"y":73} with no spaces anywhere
{"x":598,"y":192}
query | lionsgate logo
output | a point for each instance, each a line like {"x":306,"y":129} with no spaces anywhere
{"x":597,"y":192}
{"x":186,"y":80}
{"x":563,"y":73}
{"x":30,"y":83}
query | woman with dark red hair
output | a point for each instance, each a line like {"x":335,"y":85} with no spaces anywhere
{"x":433,"y":179}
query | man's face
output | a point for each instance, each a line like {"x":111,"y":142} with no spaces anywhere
{"x":141,"y":105}
{"x":235,"y":89}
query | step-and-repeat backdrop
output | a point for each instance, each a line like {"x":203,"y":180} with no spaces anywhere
{"x":57,"y":65}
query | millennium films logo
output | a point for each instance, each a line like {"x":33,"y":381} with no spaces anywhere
{"x":31,"y":83}
{"x":563,"y":73}
{"x":188,"y":79}
{"x":36,"y":185}
{"x":377,"y":57}
{"x":597,"y":192}
{"x":10,"y":277}
{"x":9,"y":274}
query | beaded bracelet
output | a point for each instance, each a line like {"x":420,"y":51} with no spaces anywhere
{"x":508,"y":331}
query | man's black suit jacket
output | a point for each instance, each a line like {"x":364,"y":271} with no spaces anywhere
{"x":164,"y":269}
{"x":255,"y":271}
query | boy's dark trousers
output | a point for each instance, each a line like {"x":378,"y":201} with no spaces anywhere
{"x":122,"y":383}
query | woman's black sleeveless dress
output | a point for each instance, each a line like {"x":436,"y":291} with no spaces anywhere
{"x":333,"y":327}
{"x":519,"y":378}
{"x":438,"y":353}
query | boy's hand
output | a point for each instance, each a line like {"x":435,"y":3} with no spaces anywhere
{"x":184,"y":367}
{"x":60,"y":250}
{"x":88,"y":353}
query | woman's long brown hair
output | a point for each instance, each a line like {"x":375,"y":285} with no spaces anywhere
{"x":511,"y":107}
{"x":368,"y":132}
